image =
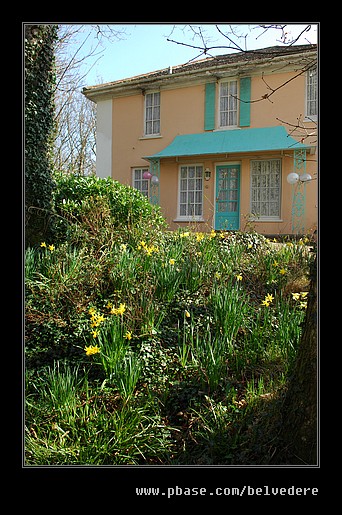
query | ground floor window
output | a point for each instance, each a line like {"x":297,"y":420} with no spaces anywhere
{"x":266,"y":189}
{"x":139,"y":182}
{"x":190,"y":198}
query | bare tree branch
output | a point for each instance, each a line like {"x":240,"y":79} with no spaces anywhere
{"x":74,"y":114}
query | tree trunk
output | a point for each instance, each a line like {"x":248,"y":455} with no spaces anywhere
{"x":298,"y":435}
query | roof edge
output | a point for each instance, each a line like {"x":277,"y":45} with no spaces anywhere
{"x":282,"y":133}
{"x":199,"y":67}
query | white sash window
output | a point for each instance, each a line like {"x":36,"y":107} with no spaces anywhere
{"x":152,"y":113}
{"x":266,"y":189}
{"x":190,"y":205}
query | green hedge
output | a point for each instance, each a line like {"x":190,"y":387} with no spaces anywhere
{"x":128,"y":209}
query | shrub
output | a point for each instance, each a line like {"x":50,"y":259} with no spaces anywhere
{"x":76,"y":197}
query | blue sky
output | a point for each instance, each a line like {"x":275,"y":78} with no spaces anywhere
{"x":145,"y":48}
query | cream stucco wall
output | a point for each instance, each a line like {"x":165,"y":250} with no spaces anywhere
{"x":169,"y":195}
{"x":182,"y":112}
{"x":104,"y":139}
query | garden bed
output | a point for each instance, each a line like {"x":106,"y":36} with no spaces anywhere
{"x":160,"y":348}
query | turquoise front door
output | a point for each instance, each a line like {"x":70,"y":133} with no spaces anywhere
{"x":227,"y":203}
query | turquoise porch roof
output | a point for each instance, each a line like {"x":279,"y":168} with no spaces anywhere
{"x":230,"y":142}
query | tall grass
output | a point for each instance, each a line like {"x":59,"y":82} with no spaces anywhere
{"x":139,"y":348}
{"x":229,"y":305}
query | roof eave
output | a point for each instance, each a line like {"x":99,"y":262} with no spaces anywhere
{"x":222,"y":153}
{"x":165,"y":76}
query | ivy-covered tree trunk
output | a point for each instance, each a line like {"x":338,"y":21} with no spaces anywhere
{"x":39,"y":129}
{"x":298,"y":438}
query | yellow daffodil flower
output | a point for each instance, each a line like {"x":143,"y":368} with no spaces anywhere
{"x":118,"y":311}
{"x":269,"y":297}
{"x":92,"y":349}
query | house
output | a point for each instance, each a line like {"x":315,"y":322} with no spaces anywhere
{"x":225,"y":142}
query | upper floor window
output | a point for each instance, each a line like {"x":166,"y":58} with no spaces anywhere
{"x":311,"y":92}
{"x":139,"y":182}
{"x":228,"y":104}
{"x":152,"y":113}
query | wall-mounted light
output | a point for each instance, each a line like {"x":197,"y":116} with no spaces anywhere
{"x":207,"y":174}
{"x":293,"y":177}
{"x":147,"y":175}
{"x":305,"y":177}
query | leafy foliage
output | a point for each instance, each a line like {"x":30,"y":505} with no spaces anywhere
{"x":39,"y":128}
{"x":97,"y":203}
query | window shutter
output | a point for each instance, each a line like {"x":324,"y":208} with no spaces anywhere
{"x":245,"y":106}
{"x":209,"y":108}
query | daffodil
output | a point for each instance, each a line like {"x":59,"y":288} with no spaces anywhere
{"x":282,"y":271}
{"x":43,"y":244}
{"x":269,"y":297}
{"x":92,"y":349}
{"x":239,"y":277}
{"x":172,"y":261}
{"x":268,"y":300}
{"x":51,"y":247}
{"x":187,"y":314}
{"x":120,"y":310}
{"x":128,"y":335}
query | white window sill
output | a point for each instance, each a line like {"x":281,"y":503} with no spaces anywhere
{"x":191,"y":219}
{"x":151,"y":136}
{"x":229,"y":127}
{"x":264,"y":219}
